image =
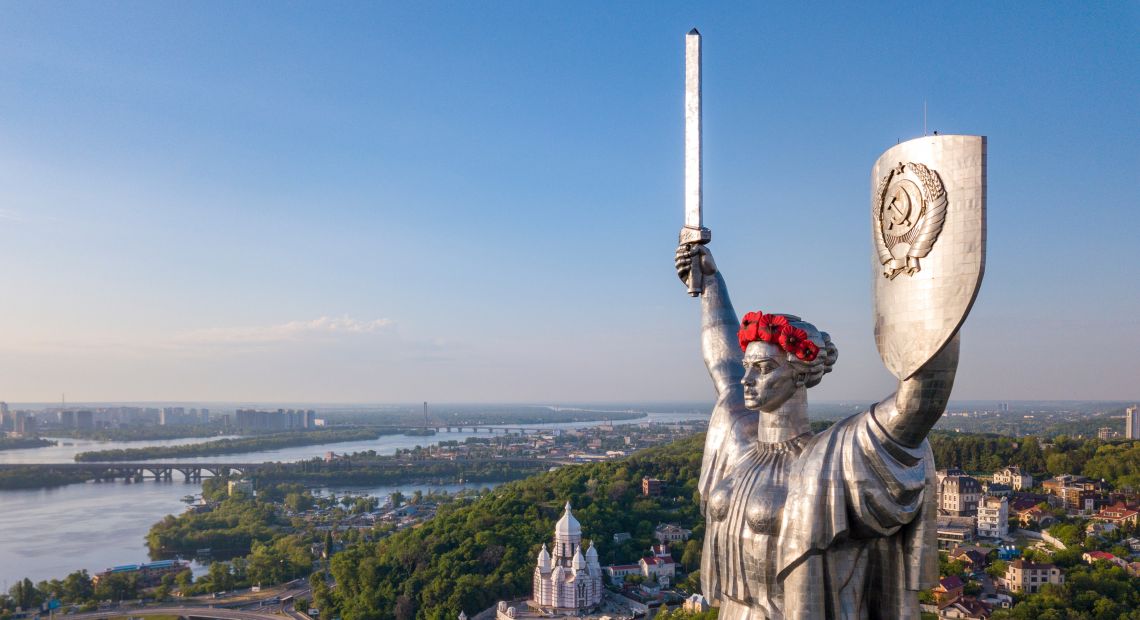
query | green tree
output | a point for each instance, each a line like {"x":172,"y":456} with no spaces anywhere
{"x":298,"y":502}
{"x":997,"y":569}
{"x":118,"y":587}
{"x":1059,"y":463}
{"x":220,"y":577}
{"x":25,"y":595}
{"x":691,"y":557}
{"x":77,"y":587}
{"x":183,"y":580}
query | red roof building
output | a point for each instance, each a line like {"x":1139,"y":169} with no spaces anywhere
{"x":1117,"y":514}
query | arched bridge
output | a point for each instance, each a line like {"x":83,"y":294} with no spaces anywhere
{"x":191,"y":472}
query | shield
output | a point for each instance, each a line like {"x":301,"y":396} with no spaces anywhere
{"x":928,"y":225}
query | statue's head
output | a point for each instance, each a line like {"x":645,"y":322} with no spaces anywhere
{"x":782,"y":355}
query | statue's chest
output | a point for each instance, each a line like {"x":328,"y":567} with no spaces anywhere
{"x":754,"y":492}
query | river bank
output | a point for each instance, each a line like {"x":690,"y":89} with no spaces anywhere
{"x":219,"y":447}
{"x":24,"y":443}
{"x":48,"y":533}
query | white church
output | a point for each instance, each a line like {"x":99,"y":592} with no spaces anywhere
{"x":567,"y":581}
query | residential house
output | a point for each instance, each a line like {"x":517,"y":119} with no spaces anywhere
{"x":966,"y":608}
{"x":1025,"y":576}
{"x":659,"y":566}
{"x":948,"y":589}
{"x":666,"y":533}
{"x":1014,"y":477}
{"x":1118,"y":514}
{"x":958,"y":494}
{"x":953,"y":531}
{"x":973,"y":558}
{"x":695,"y":604}
{"x":1092,"y":557}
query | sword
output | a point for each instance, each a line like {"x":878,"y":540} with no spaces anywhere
{"x":693,"y":231}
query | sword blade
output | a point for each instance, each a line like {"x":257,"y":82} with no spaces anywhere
{"x":693,"y":164}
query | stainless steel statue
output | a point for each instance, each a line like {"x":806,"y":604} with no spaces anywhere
{"x":838,"y":524}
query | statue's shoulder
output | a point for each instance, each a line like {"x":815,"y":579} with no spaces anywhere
{"x":824,"y":442}
{"x":841,"y":426}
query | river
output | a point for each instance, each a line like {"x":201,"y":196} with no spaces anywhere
{"x":48,"y":533}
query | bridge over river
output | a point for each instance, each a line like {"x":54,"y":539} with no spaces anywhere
{"x":137,"y":471}
{"x":193,"y":472}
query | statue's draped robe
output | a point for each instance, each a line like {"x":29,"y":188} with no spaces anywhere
{"x":857,"y":536}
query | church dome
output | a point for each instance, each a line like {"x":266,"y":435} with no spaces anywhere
{"x":568,"y":525}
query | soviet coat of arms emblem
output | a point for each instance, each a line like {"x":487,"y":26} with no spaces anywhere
{"x":907,"y":215}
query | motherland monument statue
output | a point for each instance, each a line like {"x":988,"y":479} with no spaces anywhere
{"x":840,"y":524}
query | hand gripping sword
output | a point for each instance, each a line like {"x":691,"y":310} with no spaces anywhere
{"x":693,"y":231}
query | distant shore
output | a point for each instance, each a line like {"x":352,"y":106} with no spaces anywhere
{"x":24,"y":443}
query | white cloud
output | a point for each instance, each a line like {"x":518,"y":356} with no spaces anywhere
{"x":11,"y":216}
{"x":322,"y":328}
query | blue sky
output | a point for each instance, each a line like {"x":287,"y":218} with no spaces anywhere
{"x":381,"y":202}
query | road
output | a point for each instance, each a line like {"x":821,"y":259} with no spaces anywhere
{"x":185,"y":611}
{"x":244,"y":610}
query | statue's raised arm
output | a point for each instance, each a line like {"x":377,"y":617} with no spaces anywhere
{"x":910,"y":413}
{"x":719,"y":323}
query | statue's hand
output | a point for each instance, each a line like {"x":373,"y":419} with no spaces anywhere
{"x":686,"y":253}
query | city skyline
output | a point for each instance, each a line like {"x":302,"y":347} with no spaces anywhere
{"x":383,"y":204}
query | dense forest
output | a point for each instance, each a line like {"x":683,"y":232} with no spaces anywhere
{"x":138,"y":433}
{"x":363,"y":468}
{"x":1117,"y":462}
{"x":469,"y":557}
{"x":19,"y":443}
{"x":232,"y":446}
{"x":39,"y":477}
{"x":228,"y":531}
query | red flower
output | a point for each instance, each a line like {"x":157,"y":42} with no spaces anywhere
{"x":746,"y":334}
{"x":751,"y":317}
{"x":791,"y":337}
{"x":769,"y":327}
{"x":807,"y":351}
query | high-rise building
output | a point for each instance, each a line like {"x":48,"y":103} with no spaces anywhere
{"x":6,"y":421}
{"x":280,"y":420}
{"x":176,"y":416}
{"x":993,"y":517}
{"x":1132,"y":422}
{"x":25,"y":424}
{"x":85,"y":420}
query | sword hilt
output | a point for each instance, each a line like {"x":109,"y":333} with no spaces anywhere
{"x":695,"y":236}
{"x":696,"y":279}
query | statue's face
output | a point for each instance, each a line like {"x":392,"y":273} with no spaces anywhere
{"x":769,"y":380}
